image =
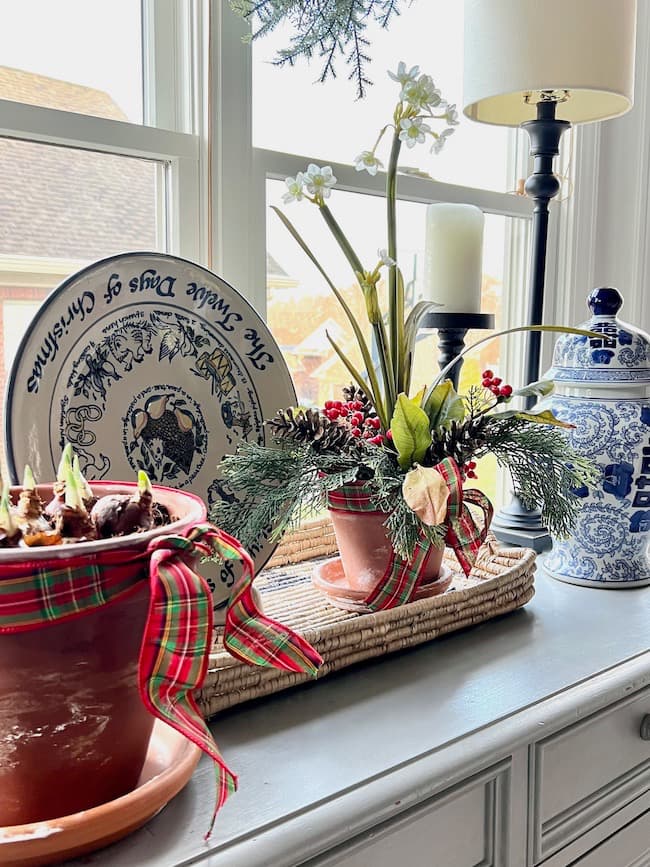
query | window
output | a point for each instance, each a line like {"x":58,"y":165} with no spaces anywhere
{"x":81,"y":176}
{"x":294,"y":121}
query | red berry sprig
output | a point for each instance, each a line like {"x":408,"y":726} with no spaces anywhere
{"x":469,"y":469}
{"x":494,"y":384}
{"x":362,"y":426}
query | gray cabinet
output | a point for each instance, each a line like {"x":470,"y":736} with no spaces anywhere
{"x":465,"y":827}
{"x":514,"y":744}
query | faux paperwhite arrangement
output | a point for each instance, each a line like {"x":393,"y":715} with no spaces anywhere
{"x":395,"y":458}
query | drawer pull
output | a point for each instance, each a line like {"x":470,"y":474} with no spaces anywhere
{"x":645,"y":728}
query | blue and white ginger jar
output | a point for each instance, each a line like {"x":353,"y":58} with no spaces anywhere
{"x":602,"y":386}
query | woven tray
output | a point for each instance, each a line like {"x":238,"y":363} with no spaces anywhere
{"x":501,"y":581}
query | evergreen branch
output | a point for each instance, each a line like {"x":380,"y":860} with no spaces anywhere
{"x":276,"y":488}
{"x":334,"y":27}
{"x":545,"y":469}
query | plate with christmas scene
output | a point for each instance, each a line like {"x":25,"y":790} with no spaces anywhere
{"x":145,"y":361}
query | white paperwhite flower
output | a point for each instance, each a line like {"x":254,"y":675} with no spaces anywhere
{"x":385,"y":259}
{"x":319,"y":180}
{"x":422,"y":93}
{"x":412,"y":131}
{"x":368,"y":162}
{"x":402,"y":75}
{"x":451,"y":115}
{"x":294,"y":188}
{"x":439,"y":142}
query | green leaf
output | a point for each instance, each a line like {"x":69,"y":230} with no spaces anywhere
{"x":544,"y":417}
{"x":411,"y":432}
{"x":541,"y":388}
{"x":371,"y":387}
{"x":411,"y":328}
{"x":561,"y":329}
{"x":443,"y":405}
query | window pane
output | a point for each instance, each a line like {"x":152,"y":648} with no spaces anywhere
{"x":292,"y":112}
{"x":60,"y":209}
{"x":301,"y":307}
{"x":74,"y":55}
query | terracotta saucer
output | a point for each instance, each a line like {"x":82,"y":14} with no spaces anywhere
{"x":329,"y":578}
{"x":171,"y":760}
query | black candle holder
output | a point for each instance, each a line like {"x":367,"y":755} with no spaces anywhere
{"x":452,"y":329}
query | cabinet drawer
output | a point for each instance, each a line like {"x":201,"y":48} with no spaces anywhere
{"x":587,"y":772}
{"x":465,"y":827}
{"x":630,"y":847}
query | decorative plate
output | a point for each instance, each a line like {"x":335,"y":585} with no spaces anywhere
{"x":145,"y":360}
{"x":170,"y":762}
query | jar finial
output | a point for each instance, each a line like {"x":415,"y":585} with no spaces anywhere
{"x":605,"y":301}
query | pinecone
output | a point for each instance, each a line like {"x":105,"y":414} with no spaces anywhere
{"x":353,"y":392}
{"x":460,"y":441}
{"x":309,"y":426}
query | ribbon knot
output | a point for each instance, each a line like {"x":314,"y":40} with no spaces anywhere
{"x":463,"y":533}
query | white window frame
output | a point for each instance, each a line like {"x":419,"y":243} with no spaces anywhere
{"x":241,"y":170}
{"x":170,"y":26}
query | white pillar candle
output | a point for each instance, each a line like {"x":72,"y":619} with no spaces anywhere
{"x":453,"y":257}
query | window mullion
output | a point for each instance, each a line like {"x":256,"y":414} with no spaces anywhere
{"x":278,"y":165}
{"x":52,"y":126}
{"x":238,"y":235}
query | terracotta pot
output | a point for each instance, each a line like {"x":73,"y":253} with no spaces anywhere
{"x":73,"y":730}
{"x":365,"y":550}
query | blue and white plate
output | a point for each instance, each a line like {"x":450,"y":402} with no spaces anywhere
{"x":145,"y":360}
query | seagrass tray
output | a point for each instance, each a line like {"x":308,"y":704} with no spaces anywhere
{"x":501,"y":581}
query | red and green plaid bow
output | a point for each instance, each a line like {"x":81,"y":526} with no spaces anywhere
{"x":178,"y":633}
{"x":463,"y":533}
{"x":402,"y":578}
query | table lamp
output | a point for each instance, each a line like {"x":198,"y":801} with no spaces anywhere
{"x":544,"y":66}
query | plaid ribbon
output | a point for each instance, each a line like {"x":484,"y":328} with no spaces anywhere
{"x":403,"y":577}
{"x":178,"y":634}
{"x":463,"y":533}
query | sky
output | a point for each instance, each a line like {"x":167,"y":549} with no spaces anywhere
{"x":96,"y":43}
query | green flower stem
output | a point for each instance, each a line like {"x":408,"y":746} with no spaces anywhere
{"x":383,"y":346}
{"x":341,"y":240}
{"x":383,"y":350}
{"x":391,"y":222}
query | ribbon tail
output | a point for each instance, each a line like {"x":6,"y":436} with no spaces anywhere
{"x":251,"y":636}
{"x":401,"y":580}
{"x":174,"y":657}
{"x":463,"y":534}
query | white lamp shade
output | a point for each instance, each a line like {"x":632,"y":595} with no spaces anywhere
{"x":518,"y":46}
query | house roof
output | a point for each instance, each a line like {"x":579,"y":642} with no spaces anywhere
{"x":22,"y":86}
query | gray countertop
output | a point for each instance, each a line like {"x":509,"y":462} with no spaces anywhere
{"x":302,"y":752}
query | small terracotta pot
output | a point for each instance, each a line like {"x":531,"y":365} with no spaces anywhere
{"x":365,"y":549}
{"x":73,"y":730}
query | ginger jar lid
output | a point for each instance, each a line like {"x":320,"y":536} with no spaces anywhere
{"x":621,"y":355}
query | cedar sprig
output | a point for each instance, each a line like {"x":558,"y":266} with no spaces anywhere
{"x":332,"y":29}
{"x":545,"y":469}
{"x":278,"y":488}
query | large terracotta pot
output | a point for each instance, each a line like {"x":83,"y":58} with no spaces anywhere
{"x":73,"y":730}
{"x":366,"y":550}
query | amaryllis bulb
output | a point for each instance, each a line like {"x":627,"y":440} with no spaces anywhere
{"x":7,"y":522}
{"x":81,"y":480}
{"x":144,"y":484}
{"x":29,"y":483}
{"x":64,"y":463}
{"x":73,"y":494}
